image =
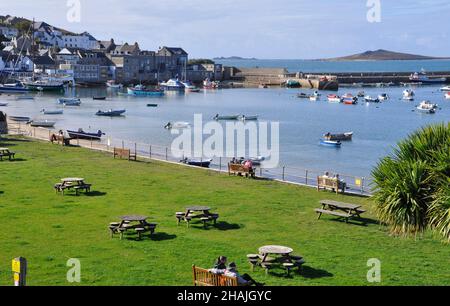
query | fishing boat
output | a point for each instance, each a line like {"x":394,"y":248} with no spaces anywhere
{"x":52,"y":112}
{"x":190,"y":87}
{"x":172,"y":85}
{"x":408,"y":94}
{"x":423,"y":78}
{"x":177,"y":125}
{"x":232,"y":117}
{"x":112,"y":84}
{"x":383,"y":97}
{"x":3,"y":103}
{"x":334,"y":98}
{"x":208,"y":84}
{"x":19,"y":119}
{"x":339,"y":137}
{"x":197,"y":162}
{"x":69,"y":101}
{"x":42,"y":123}
{"x":302,"y":95}
{"x":427,"y":107}
{"x":80,"y":134}
{"x":370,"y":99}
{"x":330,"y":143}
{"x":445,"y":88}
{"x":13,"y":88}
{"x":44,"y":85}
{"x":24,"y":97}
{"x":110,"y":113}
{"x":447,"y":95}
{"x":152,"y":105}
{"x":249,"y":118}
{"x":141,"y":90}
{"x":98,"y":98}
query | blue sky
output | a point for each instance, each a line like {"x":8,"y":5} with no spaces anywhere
{"x":279,"y":29}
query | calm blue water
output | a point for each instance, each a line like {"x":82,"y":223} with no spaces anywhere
{"x":351,"y":66}
{"x":377,"y":127}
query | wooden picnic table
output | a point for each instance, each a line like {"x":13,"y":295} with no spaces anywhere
{"x":196,"y":209}
{"x":140,"y":227}
{"x":5,"y":152}
{"x":339,"y":209}
{"x":72,"y":183}
{"x":197,"y":212}
{"x":267,"y":250}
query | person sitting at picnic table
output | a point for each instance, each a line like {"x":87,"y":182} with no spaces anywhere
{"x":243,"y":280}
{"x":248,"y":164}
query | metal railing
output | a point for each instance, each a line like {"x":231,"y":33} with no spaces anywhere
{"x":283,"y":173}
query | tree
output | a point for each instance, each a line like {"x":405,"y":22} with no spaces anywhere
{"x":412,"y":186}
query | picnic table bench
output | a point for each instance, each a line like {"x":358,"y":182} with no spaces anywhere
{"x":124,"y":153}
{"x":197,"y":212}
{"x":141,"y":226}
{"x":76,"y":184}
{"x":238,"y":169}
{"x":203,"y":277}
{"x":5,"y":152}
{"x":328,"y":183}
{"x":339,"y":209}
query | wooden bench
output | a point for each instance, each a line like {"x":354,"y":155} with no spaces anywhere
{"x":60,"y":139}
{"x":339,"y":209}
{"x":124,"y":153}
{"x":85,"y":187}
{"x":203,"y":277}
{"x":328,"y":183}
{"x":238,"y":169}
{"x":9,"y":154}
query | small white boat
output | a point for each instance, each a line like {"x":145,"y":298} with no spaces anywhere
{"x":42,"y":123}
{"x":190,"y":87}
{"x":427,"y":107}
{"x":52,"y":112}
{"x":446,"y":88}
{"x":249,"y":118}
{"x":369,"y":99}
{"x":383,"y":97}
{"x":70,"y":101}
{"x":177,"y":125}
{"x":334,"y":99}
{"x":112,"y":84}
{"x":408,"y":94}
{"x":23,"y":97}
{"x":314,"y":98}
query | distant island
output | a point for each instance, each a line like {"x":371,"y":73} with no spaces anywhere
{"x":234,"y":58}
{"x":382,"y":55}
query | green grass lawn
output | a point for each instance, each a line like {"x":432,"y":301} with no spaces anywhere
{"x":48,"y":229}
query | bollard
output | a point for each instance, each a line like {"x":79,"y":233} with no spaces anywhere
{"x":123,"y":145}
{"x":306,"y":177}
{"x":220,"y":164}
{"x":19,"y":268}
{"x":284,"y":170}
{"x":150,"y":152}
{"x":166,"y":154}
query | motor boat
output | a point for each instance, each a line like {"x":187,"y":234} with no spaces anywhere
{"x":314,"y":98}
{"x":177,"y":125}
{"x":190,"y":87}
{"x":13,"y":88}
{"x":42,"y":123}
{"x":232,"y":117}
{"x":445,"y":88}
{"x":197,"y":162}
{"x":69,"y":101}
{"x":173,"y":85}
{"x":208,"y":84}
{"x":427,"y":107}
{"x":141,"y":90}
{"x":110,"y":113}
{"x":339,"y":137}
{"x":44,"y":85}
{"x":349,"y":99}
{"x":98,"y":98}
{"x":80,"y":134}
{"x":370,"y":99}
{"x":19,"y":119}
{"x":52,"y":112}
{"x":330,"y":143}
{"x":361,"y":94}
{"x":408,"y":94}
{"x":112,"y":84}
{"x":249,"y":118}
{"x":2,"y":104}
{"x":423,"y":78}
{"x":334,"y":98}
{"x":383,"y":97}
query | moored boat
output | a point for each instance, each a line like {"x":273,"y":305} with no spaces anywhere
{"x":423,"y":78}
{"x":24,"y":97}
{"x":19,"y":119}
{"x":13,"y":88}
{"x":98,"y":98}
{"x":208,"y":84}
{"x":249,"y":118}
{"x":44,"y":85}
{"x":445,"y":88}
{"x":330,"y":143}
{"x":190,"y":87}
{"x":52,"y":112}
{"x":152,"y":105}
{"x":70,"y":101}
{"x":173,"y":85}
{"x":339,"y":137}
{"x":427,"y":107}
{"x":370,"y":99}
{"x":232,"y":117}
{"x":80,"y":134}
{"x":141,"y":90}
{"x":110,"y":113}
{"x":314,"y":98}
{"x":383,"y":97}
{"x":112,"y":84}
{"x":408,"y":94}
{"x":447,"y":95}
{"x":3,"y":103}
{"x":197,"y":162}
{"x":177,"y":125}
{"x":42,"y":123}
{"x":302,"y":95}
{"x":334,"y":98}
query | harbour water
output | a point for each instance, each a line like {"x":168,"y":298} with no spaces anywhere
{"x":318,"y":66}
{"x":377,"y":127}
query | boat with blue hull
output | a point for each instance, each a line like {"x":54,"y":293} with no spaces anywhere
{"x":142,"y":91}
{"x":423,"y":78}
{"x":330,"y":143}
{"x":13,"y":88}
{"x":111,"y":113}
{"x":80,"y":134}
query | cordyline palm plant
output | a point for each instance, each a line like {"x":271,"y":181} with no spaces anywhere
{"x":411,"y":187}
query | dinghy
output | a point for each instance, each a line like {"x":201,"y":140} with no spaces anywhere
{"x":369,"y":99}
{"x":427,"y":107}
{"x":249,"y":118}
{"x":334,"y":99}
{"x":152,"y":105}
{"x":98,"y":98}
{"x":177,"y":125}
{"x":3,"y":103}
{"x":80,"y":134}
{"x":42,"y":123}
{"x":330,"y":143}
{"x":52,"y":112}
{"x":383,"y":97}
{"x":111,"y":113}
{"x":69,"y":101}
{"x":197,"y":162}
{"x":408,"y":95}
{"x":19,"y":119}
{"x":232,"y":117}
{"x":24,"y":97}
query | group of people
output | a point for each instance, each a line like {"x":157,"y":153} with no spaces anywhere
{"x":248,"y":164}
{"x":230,"y":270}
{"x":337,"y":178}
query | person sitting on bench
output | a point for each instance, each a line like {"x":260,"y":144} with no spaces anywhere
{"x":243,"y":280}
{"x":220,"y":266}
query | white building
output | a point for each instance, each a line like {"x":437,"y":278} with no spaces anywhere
{"x":79,"y":41}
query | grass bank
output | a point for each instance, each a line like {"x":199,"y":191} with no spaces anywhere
{"x":48,"y":229}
